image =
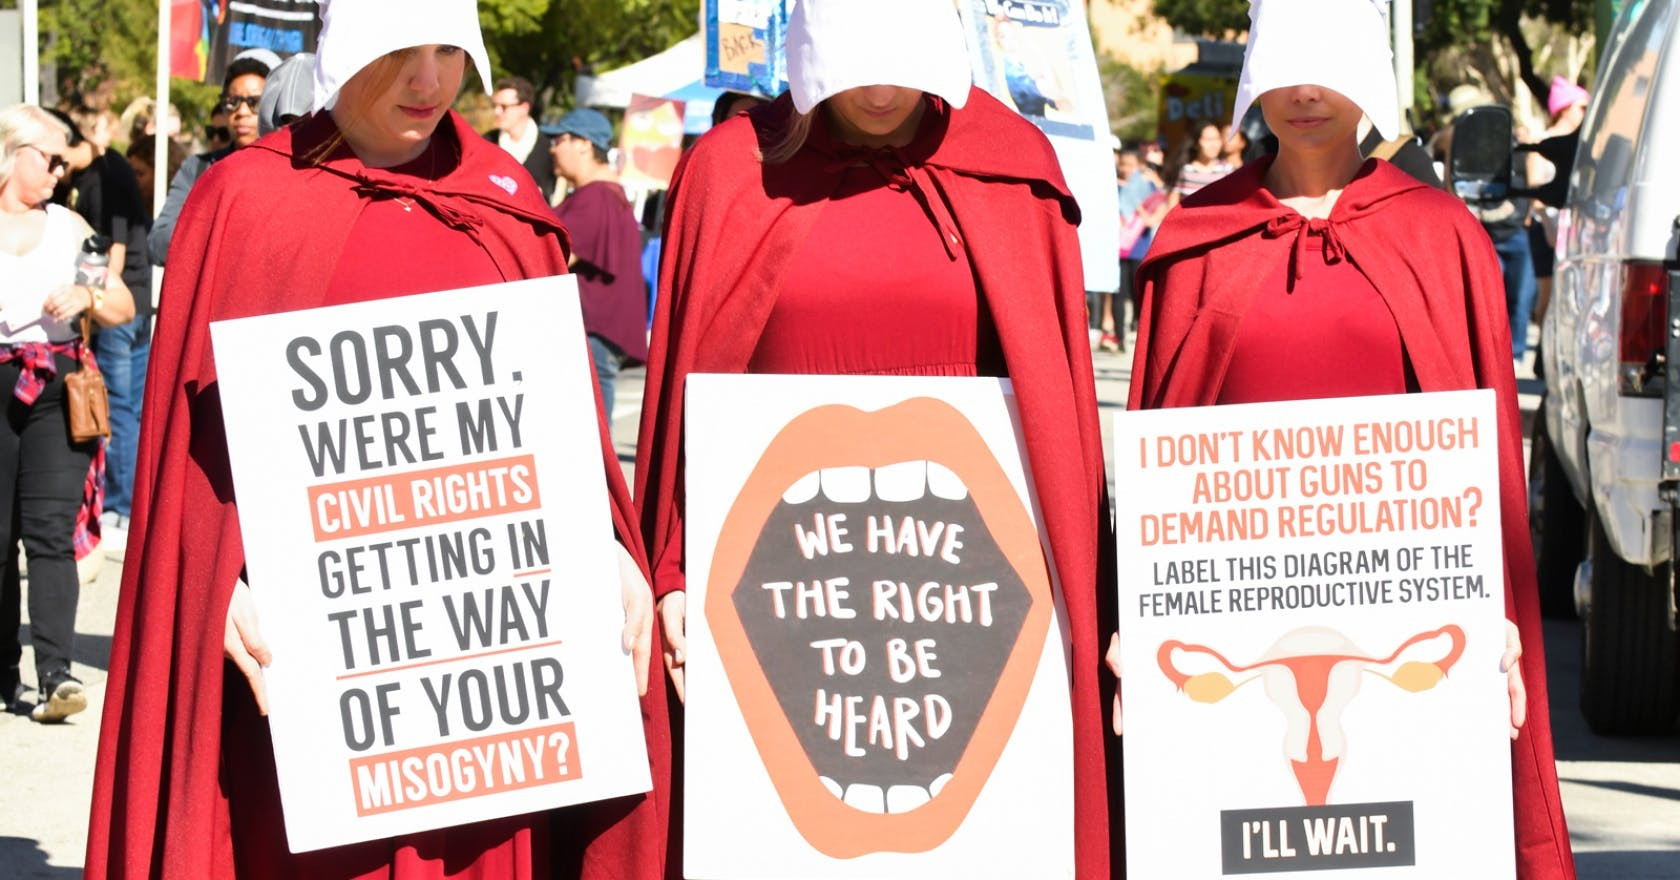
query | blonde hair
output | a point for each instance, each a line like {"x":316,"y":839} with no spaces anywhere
{"x":381,"y":72}
{"x":24,"y":125}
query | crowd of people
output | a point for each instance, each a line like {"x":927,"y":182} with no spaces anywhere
{"x":1308,"y":266}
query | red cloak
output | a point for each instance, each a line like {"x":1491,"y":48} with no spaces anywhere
{"x":732,"y":226}
{"x":1434,"y":267}
{"x":263,"y":232}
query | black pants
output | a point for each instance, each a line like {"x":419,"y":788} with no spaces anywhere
{"x":41,"y":478}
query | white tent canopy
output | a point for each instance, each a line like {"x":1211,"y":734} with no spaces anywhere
{"x":659,"y":74}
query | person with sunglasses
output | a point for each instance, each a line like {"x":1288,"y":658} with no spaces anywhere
{"x":382,"y":191}
{"x":242,"y":91}
{"x":42,"y":471}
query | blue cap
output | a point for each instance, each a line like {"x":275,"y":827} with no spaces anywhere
{"x":584,"y":123}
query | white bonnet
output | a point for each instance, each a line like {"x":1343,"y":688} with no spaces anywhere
{"x":355,"y":33}
{"x":1341,"y":45}
{"x":835,"y":45}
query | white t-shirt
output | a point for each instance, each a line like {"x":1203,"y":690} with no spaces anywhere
{"x":29,"y":278}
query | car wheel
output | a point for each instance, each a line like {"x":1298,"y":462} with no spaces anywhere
{"x":1630,"y":657}
{"x":1554,"y":525}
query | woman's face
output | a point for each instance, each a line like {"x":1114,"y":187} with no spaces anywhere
{"x":395,"y":119}
{"x":240,"y":103}
{"x":1311,"y":118}
{"x":36,"y":169}
{"x":876,"y":116}
{"x":143,"y":176}
{"x":1209,"y":144}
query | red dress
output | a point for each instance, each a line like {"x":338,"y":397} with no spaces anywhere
{"x":1438,"y":283}
{"x":955,"y":255}
{"x":185,"y":785}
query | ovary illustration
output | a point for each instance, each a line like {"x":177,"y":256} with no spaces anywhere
{"x":1312,"y":674}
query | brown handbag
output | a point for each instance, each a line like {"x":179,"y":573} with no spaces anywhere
{"x":85,"y":399}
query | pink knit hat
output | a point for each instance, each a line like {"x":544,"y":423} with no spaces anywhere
{"x":1563,"y":94}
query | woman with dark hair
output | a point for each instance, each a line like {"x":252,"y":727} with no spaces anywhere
{"x":887,"y":217}
{"x":242,"y":90}
{"x":1202,"y":162}
{"x":1315,"y":273}
{"x":42,"y":469}
{"x":386,"y":193}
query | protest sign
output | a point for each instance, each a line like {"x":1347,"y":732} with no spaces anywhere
{"x":745,"y":42}
{"x":877,"y":669}
{"x":429,"y":545}
{"x":652,"y":141}
{"x":1312,"y":620}
{"x":1036,"y":56}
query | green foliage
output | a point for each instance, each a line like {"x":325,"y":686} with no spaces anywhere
{"x":1133,"y":97}
{"x":105,"y":50}
{"x":1211,"y":18}
{"x":551,"y":41}
{"x":1450,"y":23}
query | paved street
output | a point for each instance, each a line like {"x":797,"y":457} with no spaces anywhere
{"x":1622,"y":796}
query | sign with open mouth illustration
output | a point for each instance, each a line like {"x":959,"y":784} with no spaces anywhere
{"x":870,"y":605}
{"x":1312,"y":625}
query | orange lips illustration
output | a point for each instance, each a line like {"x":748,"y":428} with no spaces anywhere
{"x":880,"y":601}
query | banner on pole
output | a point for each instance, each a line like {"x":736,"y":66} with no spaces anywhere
{"x":206,"y":35}
{"x":1036,"y":56}
{"x":745,"y":42}
{"x":878,"y":670}
{"x":430,"y":548}
{"x":1312,"y":619}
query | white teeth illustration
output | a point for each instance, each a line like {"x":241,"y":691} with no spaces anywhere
{"x":904,"y":798}
{"x":943,"y":482}
{"x":803,"y":490}
{"x":868,"y":798}
{"x":905,"y":481}
{"x":893,"y":799}
{"x":846,"y":485}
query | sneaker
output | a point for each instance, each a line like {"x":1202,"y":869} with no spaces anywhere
{"x":1109,"y":342}
{"x":13,"y":695}
{"x":113,"y":535}
{"x":61,"y":697}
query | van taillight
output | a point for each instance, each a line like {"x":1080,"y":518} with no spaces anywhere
{"x":1644,"y":312}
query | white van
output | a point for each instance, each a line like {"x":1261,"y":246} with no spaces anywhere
{"x":1605,"y":469}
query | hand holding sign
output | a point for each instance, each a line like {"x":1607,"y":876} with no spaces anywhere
{"x":673,"y":614}
{"x":1513,"y":677}
{"x":638,"y":615}
{"x":243,"y":643}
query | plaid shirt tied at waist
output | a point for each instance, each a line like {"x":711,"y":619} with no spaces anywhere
{"x":37,"y":364}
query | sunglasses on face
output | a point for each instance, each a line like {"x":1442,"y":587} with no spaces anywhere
{"x":55,"y":162}
{"x":230,"y":103}
{"x":218,"y":133}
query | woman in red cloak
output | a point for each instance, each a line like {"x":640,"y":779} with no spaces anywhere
{"x":1317,"y":274}
{"x":388,"y":193}
{"x":886,"y":217}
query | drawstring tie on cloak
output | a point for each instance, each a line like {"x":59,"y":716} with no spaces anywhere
{"x":440,"y":207}
{"x":904,"y":176}
{"x":1302,"y":227}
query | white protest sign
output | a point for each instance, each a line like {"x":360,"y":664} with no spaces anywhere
{"x":429,"y":544}
{"x":1312,"y":620}
{"x":1036,"y":56}
{"x":877,"y":668}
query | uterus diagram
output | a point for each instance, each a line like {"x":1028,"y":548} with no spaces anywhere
{"x":1312,"y":674}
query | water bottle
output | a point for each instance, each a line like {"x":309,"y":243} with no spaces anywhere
{"x":93,"y":263}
